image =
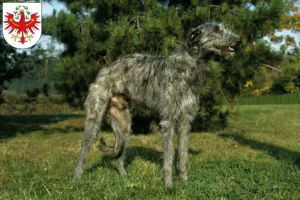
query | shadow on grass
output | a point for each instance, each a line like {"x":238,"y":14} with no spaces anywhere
{"x":131,"y":153}
{"x":13,"y":124}
{"x":66,"y":129}
{"x":277,"y":152}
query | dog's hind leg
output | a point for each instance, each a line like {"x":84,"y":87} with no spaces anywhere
{"x":120,"y":120}
{"x":95,"y":105}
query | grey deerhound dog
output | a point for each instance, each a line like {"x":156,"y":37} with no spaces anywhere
{"x":168,"y":85}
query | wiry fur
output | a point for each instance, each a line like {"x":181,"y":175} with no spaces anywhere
{"x":120,"y":120}
{"x":168,"y":85}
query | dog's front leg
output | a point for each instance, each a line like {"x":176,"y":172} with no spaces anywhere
{"x":167,"y":129}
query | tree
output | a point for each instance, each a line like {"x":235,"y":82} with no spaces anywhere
{"x":96,"y":32}
{"x":7,"y":70}
{"x":289,"y":79}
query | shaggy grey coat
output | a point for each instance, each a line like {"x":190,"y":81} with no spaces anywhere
{"x":168,"y":85}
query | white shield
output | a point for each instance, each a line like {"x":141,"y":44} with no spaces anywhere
{"x":22,"y":24}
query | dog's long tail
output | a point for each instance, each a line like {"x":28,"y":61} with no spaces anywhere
{"x":120,"y":120}
{"x":117,"y":150}
{"x":121,"y":138}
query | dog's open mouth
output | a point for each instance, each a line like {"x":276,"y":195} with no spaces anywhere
{"x":226,"y":48}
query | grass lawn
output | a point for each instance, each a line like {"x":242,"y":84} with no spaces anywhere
{"x":256,"y":157}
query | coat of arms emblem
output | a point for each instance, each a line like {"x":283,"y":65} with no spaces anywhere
{"x":22,"y":24}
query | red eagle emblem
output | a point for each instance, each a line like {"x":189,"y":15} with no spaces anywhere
{"x":23,"y":26}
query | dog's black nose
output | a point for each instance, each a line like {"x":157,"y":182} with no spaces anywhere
{"x":238,"y":41}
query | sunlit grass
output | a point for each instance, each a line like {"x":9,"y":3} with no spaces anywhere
{"x":256,"y":157}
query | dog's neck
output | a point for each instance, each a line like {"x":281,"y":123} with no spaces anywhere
{"x":191,"y":66}
{"x":197,"y":53}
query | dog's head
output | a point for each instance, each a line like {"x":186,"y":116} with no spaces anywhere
{"x":212,"y":38}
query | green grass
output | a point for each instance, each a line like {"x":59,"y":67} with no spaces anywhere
{"x":256,"y":157}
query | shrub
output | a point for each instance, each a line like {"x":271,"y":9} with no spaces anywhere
{"x":13,"y":104}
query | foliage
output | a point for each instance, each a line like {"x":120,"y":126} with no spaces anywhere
{"x":8,"y":69}
{"x":34,"y":103}
{"x":291,"y":20}
{"x":210,"y":115}
{"x":289,"y":81}
{"x":98,"y":32}
{"x":16,"y":65}
{"x":39,"y":76}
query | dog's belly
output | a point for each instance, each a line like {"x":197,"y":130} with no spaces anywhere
{"x":167,"y":100}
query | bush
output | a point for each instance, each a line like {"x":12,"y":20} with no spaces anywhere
{"x":288,"y":82}
{"x":13,"y":104}
{"x":33,"y":93}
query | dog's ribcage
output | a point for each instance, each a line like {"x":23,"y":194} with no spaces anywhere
{"x":166,"y":84}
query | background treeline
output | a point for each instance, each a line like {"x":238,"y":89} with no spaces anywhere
{"x":97,"y":32}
